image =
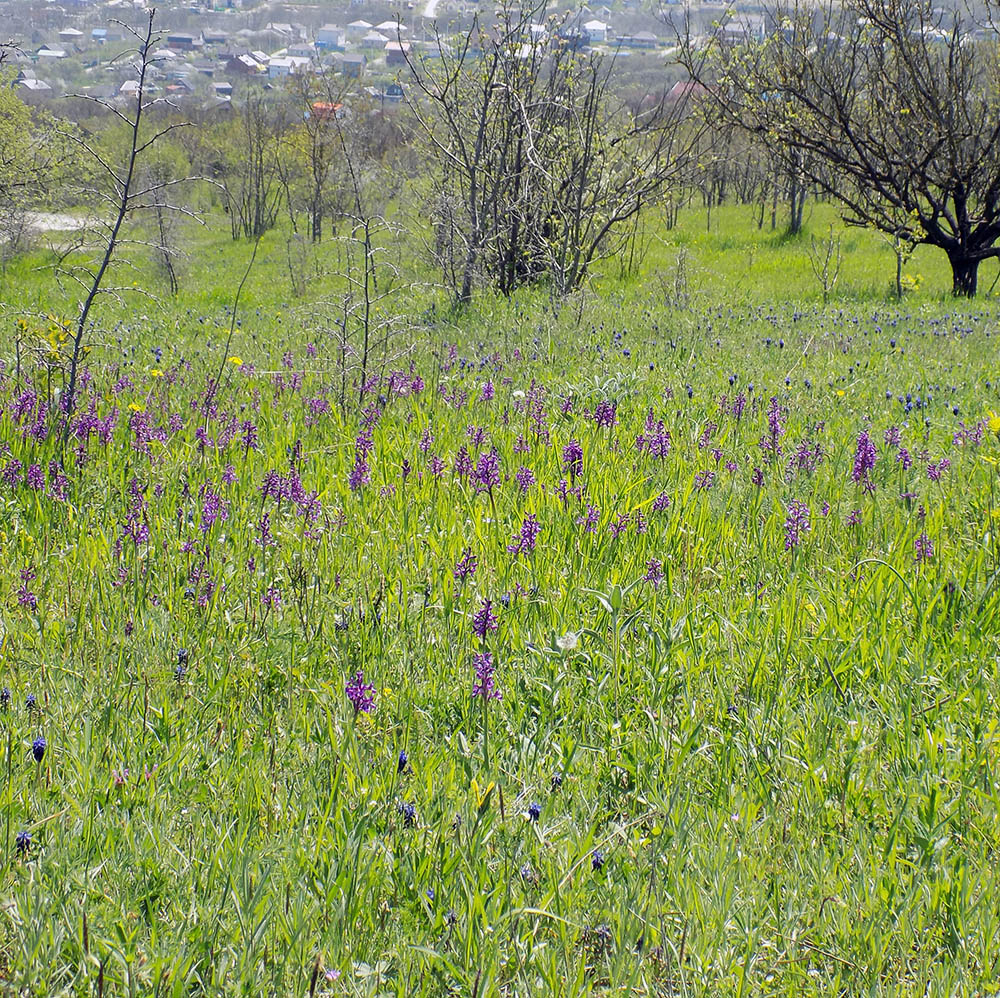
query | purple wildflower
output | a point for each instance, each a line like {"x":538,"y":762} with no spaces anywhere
{"x":523,"y":542}
{"x":605,"y":414}
{"x":654,"y":572}
{"x":361,"y":694}
{"x":465,"y":567}
{"x":572,"y":458}
{"x":484,"y":620}
{"x":25,"y":597}
{"x":488,"y":472}
{"x":770,"y":444}
{"x":485,"y":685}
{"x":590,"y":519}
{"x":865,"y":456}
{"x":525,"y":478}
{"x":923,"y":548}
{"x":463,"y":463}
{"x":661,"y":502}
{"x":796,"y":524}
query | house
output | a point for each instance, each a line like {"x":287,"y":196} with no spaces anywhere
{"x":685,"y":90}
{"x":744,"y":28}
{"x":356,"y":30}
{"x":218,"y":105}
{"x":326,"y":111}
{"x":640,"y":40}
{"x":244,"y":65}
{"x":70,"y":36}
{"x":50,"y":52}
{"x":397,"y":53}
{"x":330,"y":37}
{"x":180,"y":41}
{"x":286,"y":66}
{"x":596,"y":31}
{"x":435,"y":50}
{"x":215,"y":37}
{"x":392,"y":28}
{"x":374,"y":40}
{"x":178,"y":90}
{"x":33,"y":91}
{"x":573,"y":38}
{"x":353,"y":64}
{"x":304,"y":50}
{"x":222,"y":88}
{"x":99,"y":35}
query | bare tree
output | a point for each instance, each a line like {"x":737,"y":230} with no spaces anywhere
{"x":540,"y":169}
{"x":126,"y":195}
{"x":319,"y":98}
{"x":890,"y":106}
{"x":252,"y":175}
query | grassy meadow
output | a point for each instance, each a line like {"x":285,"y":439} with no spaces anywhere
{"x":643,"y":643}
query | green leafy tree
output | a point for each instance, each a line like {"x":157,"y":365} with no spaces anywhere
{"x":890,"y":106}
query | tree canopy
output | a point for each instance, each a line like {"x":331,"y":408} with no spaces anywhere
{"x":890,"y":106}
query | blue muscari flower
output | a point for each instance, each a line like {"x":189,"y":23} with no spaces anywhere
{"x":38,"y":748}
{"x":596,"y":860}
{"x":23,"y":842}
{"x":403,"y":761}
{"x":534,"y":810}
{"x":5,"y":698}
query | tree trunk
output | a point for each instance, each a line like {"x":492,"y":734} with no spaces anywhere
{"x":964,"y":272}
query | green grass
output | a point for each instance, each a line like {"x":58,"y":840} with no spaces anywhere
{"x":785,"y":759}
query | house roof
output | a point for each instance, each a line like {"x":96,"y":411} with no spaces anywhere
{"x":595,"y":26}
{"x":249,"y":62}
{"x":684,"y":89}
{"x":353,"y":58}
{"x":48,"y":52}
{"x":392,"y":26}
{"x":34,"y":85}
{"x":358,"y":25}
{"x":397,"y":46}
